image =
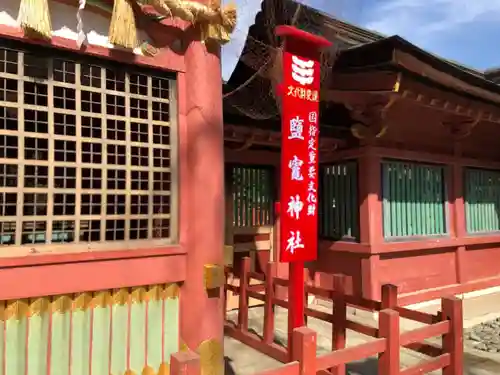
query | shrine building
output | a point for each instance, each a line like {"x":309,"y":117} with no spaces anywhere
{"x":409,"y":188}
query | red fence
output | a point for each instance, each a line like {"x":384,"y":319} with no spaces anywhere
{"x":388,"y":338}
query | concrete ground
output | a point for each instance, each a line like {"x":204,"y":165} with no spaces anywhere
{"x":242,"y":360}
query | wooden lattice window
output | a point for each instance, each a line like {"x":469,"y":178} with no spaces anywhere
{"x":338,"y":201}
{"x":482,"y":200}
{"x":253,"y":195}
{"x":86,"y":150}
{"x":414,"y":199}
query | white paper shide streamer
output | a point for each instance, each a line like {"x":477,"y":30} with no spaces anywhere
{"x":82,"y":38}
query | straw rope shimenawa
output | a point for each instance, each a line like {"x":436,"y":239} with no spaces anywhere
{"x":216,"y":23}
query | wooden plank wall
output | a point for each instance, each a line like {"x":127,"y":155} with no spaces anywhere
{"x":125,"y":331}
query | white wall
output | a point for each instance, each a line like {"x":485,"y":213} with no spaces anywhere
{"x":64,"y":22}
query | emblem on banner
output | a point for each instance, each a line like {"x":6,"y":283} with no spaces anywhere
{"x":302,"y":71}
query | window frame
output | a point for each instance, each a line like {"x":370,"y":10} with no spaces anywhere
{"x":445,"y":200}
{"x":322,"y":205}
{"x":465,"y":169}
{"x":229,"y":168}
{"x":16,"y":250}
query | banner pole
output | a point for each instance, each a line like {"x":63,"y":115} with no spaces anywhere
{"x":299,"y":91}
{"x":296,"y":294}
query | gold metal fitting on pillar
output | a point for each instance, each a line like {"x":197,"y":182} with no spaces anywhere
{"x":213,"y":276}
{"x":211,"y":357}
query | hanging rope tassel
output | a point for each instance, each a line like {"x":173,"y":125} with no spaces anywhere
{"x":123,"y":29}
{"x":34,"y":17}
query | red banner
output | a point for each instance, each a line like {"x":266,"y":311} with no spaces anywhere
{"x":299,"y":152}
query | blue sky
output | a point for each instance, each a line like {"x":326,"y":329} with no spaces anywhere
{"x":467,"y":31}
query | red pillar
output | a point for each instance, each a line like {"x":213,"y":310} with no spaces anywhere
{"x":457,"y":210}
{"x":370,"y":218}
{"x":201,"y":194}
{"x":370,"y":189}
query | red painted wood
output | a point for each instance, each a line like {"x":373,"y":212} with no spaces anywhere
{"x":389,"y":342}
{"x":268,"y":304}
{"x":369,"y":190}
{"x":304,"y":350}
{"x":47,"y":279}
{"x":351,"y":354}
{"x":453,"y":340}
{"x":418,"y":316}
{"x":427,"y":367}
{"x":369,"y":280}
{"x":476,"y":262}
{"x":262,"y":258}
{"x":339,"y":323}
{"x":416,"y":271}
{"x":201,"y":146}
{"x":420,"y":334}
{"x":41,"y":259}
{"x":296,"y":293}
{"x":185,"y":363}
{"x":293,"y":33}
{"x":425,"y":349}
{"x":243,"y":297}
{"x":413,"y":298}
{"x":165,"y":60}
{"x":288,"y":369}
{"x":389,"y":296}
{"x":408,"y":246}
{"x":389,"y":361}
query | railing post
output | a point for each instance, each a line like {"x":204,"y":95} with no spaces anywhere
{"x":306,"y":303}
{"x":453,"y":340}
{"x":304,"y":350}
{"x":339,"y":320}
{"x":185,"y":363}
{"x":226,"y":281}
{"x":389,"y":361}
{"x":269,"y":304}
{"x":243,"y":300}
{"x":389,"y":296}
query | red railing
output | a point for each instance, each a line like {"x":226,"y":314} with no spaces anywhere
{"x":387,"y":336}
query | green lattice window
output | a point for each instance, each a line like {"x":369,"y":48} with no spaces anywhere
{"x":253,"y":196}
{"x":482,"y":200}
{"x":414,"y":199}
{"x":338,"y":201}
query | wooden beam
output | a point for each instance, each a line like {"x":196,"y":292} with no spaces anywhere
{"x":447,"y":101}
{"x":249,"y":136}
{"x":365,"y":81}
{"x":422,"y":69}
{"x":405,"y":87}
{"x":354,"y":99}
